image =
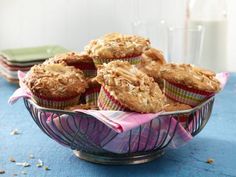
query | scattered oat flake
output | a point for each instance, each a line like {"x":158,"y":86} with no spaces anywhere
{"x":46,"y":168}
{"x":14,"y":174}
{"x":31,"y":156}
{"x":15,"y":132}
{"x":210,"y":161}
{"x":2,"y":171}
{"x":24,"y":172}
{"x":23,"y":164}
{"x":40,"y":163}
{"x":12,"y":159}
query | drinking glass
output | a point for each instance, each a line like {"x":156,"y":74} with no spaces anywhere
{"x":184,"y":45}
{"x":156,"y":31}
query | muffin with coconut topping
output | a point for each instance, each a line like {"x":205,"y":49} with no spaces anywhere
{"x":188,"y":84}
{"x":81,"y":61}
{"x":116,"y":46}
{"x":151,"y":62}
{"x":55,"y":85}
{"x":124,"y":87}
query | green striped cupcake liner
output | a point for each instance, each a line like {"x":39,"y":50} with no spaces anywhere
{"x":131,"y":60}
{"x":185,"y":95}
{"x":91,"y":96}
{"x":58,"y":103}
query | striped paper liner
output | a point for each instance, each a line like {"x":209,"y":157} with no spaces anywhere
{"x":88,"y":69}
{"x":131,"y":60}
{"x":90,"y":73}
{"x":91,"y":95}
{"x":185,"y":95}
{"x":58,"y":103}
{"x":107,"y":102}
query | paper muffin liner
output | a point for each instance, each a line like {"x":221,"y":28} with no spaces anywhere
{"x":57,"y":103}
{"x":185,"y":95}
{"x":88,"y":69}
{"x":91,"y":95}
{"x":90,"y":73}
{"x":107,"y":102}
{"x":131,"y":60}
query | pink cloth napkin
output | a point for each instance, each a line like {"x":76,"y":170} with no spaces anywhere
{"x":223,"y":78}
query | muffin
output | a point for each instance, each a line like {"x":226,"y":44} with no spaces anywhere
{"x":176,"y":106}
{"x":55,"y":85}
{"x":151,"y":62}
{"x":82,"y":106}
{"x":124,"y":87}
{"x":78,"y":60}
{"x":183,"y":119}
{"x":116,"y":46}
{"x":92,"y":92}
{"x":188,"y":84}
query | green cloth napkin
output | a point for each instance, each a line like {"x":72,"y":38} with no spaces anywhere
{"x":32,"y":54}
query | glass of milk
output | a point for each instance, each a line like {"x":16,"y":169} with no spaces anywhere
{"x":212,"y":15}
{"x":185,"y":44}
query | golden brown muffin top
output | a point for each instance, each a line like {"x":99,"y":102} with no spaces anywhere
{"x":131,"y":87}
{"x":70,"y":59}
{"x":83,"y":106}
{"x":55,"y":81}
{"x":176,"y":106}
{"x":116,"y":45}
{"x":151,"y":62}
{"x":190,"y":76}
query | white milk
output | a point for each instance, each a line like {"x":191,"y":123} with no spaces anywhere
{"x":214,"y":49}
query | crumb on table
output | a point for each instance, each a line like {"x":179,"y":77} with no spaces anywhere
{"x":24,"y":172}
{"x":210,"y":161}
{"x":11,"y":159}
{"x":15,"y":132}
{"x":46,"y":168}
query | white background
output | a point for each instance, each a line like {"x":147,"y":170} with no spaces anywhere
{"x":72,"y":23}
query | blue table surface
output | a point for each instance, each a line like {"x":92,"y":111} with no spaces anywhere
{"x":217,"y":141}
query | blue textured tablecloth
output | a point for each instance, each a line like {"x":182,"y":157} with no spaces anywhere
{"x":217,"y":141}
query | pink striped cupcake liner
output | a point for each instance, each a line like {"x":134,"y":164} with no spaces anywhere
{"x":91,"y":95}
{"x":107,"y":102}
{"x":131,"y":60}
{"x":56,"y":103}
{"x":185,"y":95}
{"x":88,"y":69}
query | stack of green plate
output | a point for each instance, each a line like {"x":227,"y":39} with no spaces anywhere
{"x":12,"y":60}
